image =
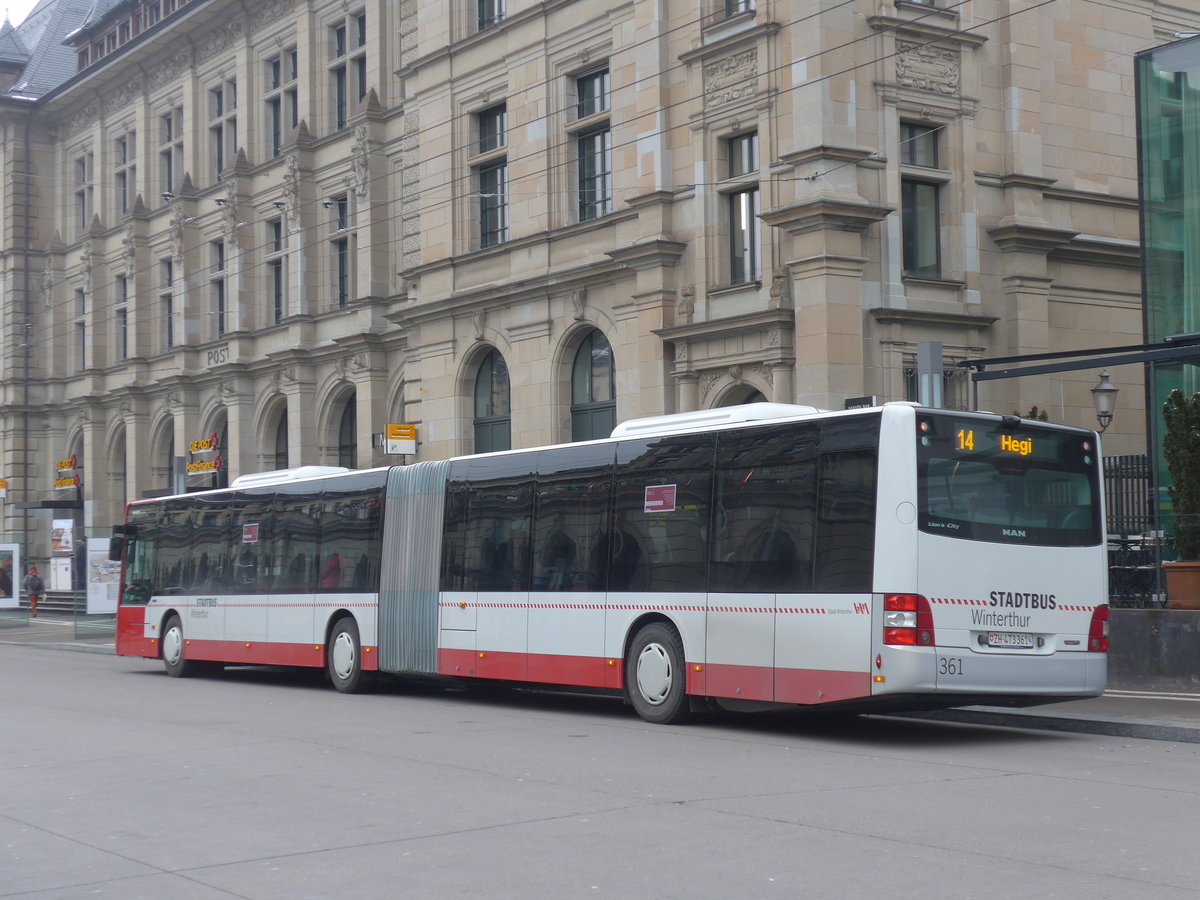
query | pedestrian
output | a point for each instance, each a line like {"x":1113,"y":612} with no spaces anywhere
{"x":34,"y":588}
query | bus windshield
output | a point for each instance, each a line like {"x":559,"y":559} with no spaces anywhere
{"x":986,"y":479}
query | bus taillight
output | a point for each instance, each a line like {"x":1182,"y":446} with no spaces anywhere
{"x":907,"y":621}
{"x":1098,"y":632}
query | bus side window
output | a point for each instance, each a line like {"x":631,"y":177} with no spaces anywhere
{"x":845,"y":540}
{"x":663,"y":498}
{"x":571,"y":510}
{"x":765,"y":510}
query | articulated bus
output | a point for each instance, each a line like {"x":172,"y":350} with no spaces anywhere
{"x":883,"y":559}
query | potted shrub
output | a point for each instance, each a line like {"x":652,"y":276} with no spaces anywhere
{"x":1181,"y":449}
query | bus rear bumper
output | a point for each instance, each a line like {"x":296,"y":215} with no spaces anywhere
{"x":956,"y":671}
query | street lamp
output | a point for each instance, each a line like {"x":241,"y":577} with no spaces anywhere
{"x":1104,"y":395}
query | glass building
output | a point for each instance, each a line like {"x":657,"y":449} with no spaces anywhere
{"x":1168,"y":109}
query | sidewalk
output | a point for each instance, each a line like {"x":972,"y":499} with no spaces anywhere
{"x":1133,"y":714}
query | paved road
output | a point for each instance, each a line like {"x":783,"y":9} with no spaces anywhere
{"x":119,"y":782}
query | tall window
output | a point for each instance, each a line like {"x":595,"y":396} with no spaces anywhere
{"x":491,"y":174}
{"x":340,"y":251}
{"x":275,"y":270}
{"x":593,"y":389}
{"x":170,"y":151}
{"x":217,"y":287}
{"x":745,"y":250}
{"x":348,"y":435}
{"x":489,"y":13}
{"x":81,"y":341}
{"x":283,"y":110}
{"x":84,"y":196}
{"x":122,"y":320}
{"x":920,"y":199}
{"x":166,"y":302}
{"x":493,"y":423}
{"x":593,"y":145}
{"x":222,"y":126}
{"x":125,"y":172}
{"x":122,"y":333}
{"x":347,"y":66}
{"x":733,"y":7}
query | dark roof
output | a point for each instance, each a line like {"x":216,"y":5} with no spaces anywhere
{"x":12,"y":51}
{"x":97,"y":11}
{"x":41,"y":37}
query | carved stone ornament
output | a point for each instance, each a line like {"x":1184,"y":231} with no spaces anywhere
{"x":271,"y":11}
{"x":85,"y":267}
{"x":229,"y":212}
{"x":291,"y":194}
{"x":283,"y":377}
{"x":479,"y":320}
{"x":177,"y":222}
{"x":218,"y":41}
{"x":130,"y":252}
{"x":48,"y":280}
{"x":731,"y":78}
{"x":170,"y":70}
{"x":780,"y":289}
{"x":578,"y":302}
{"x":122,"y":95}
{"x":685,"y":306}
{"x":361,"y":152}
{"x":82,"y":118}
{"x":928,"y":68}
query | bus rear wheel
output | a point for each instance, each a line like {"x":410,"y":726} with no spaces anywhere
{"x":343,"y":658}
{"x":655,"y":676}
{"x":172,"y":645}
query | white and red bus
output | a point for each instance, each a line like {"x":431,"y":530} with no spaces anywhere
{"x":891,"y":558}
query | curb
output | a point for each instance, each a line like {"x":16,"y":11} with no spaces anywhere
{"x":64,"y":645}
{"x":1116,"y":726}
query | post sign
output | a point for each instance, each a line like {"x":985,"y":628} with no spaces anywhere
{"x":67,"y":476}
{"x":401,"y":439}
{"x":205,"y":458}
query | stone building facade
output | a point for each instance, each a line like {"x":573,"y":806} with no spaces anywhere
{"x":258,"y":232}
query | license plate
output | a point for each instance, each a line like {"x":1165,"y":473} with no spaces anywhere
{"x":1009,"y":639}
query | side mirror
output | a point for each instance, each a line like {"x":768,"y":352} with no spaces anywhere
{"x":116,"y":546}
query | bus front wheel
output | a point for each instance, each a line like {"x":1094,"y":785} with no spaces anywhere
{"x":655,"y":676}
{"x":344,"y":658}
{"x":172,"y":644}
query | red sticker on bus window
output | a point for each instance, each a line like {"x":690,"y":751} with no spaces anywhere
{"x":250,"y":534}
{"x":660,"y":498}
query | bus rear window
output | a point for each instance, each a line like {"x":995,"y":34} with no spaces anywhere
{"x":984,"y":479}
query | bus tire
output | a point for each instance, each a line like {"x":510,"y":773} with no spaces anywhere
{"x":172,"y":646}
{"x":343,"y":658}
{"x":655,"y":675}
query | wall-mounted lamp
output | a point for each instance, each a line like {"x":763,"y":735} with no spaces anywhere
{"x":1104,"y":395}
{"x":327,"y":204}
{"x":220,"y":201}
{"x":168,"y":196}
{"x":278,"y":204}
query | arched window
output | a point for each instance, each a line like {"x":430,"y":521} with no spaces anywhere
{"x":281,"y":441}
{"x":493,"y":421}
{"x":348,"y":435}
{"x":170,"y":461}
{"x":221,"y":476}
{"x":593,"y":389}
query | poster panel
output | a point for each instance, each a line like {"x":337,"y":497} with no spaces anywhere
{"x":62,"y":535}
{"x":10,"y":575}
{"x":103,"y":576}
